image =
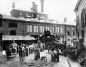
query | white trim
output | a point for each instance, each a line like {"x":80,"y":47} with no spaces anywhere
{"x":8,"y":37}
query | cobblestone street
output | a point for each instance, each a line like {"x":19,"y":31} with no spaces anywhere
{"x":30,"y":62}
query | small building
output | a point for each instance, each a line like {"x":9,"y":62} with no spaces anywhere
{"x":28,"y":14}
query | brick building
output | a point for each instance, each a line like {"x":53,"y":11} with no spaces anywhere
{"x":21,"y":29}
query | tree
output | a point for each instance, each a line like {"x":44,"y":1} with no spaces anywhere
{"x":47,"y":37}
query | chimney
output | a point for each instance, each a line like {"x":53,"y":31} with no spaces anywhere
{"x":65,"y":19}
{"x":42,"y":5}
{"x":34,"y":7}
{"x":13,"y":5}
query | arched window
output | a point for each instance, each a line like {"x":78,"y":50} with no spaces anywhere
{"x":83,"y":18}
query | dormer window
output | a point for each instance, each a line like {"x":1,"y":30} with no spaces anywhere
{"x":38,"y":16}
{"x":27,"y":15}
{"x":20,"y":13}
{"x":32,"y":15}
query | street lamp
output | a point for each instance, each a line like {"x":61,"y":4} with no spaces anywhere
{"x":65,"y":33}
{"x":65,"y":20}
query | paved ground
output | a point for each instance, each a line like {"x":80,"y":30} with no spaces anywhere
{"x":30,"y":62}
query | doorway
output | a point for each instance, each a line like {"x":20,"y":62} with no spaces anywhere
{"x":1,"y":42}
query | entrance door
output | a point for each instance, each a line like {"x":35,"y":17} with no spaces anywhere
{"x":0,"y":41}
{"x":82,"y":35}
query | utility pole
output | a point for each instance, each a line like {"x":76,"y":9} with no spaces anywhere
{"x":42,"y":5}
{"x":65,"y":20}
{"x":65,"y":33}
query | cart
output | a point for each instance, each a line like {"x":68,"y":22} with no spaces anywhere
{"x":37,"y":54}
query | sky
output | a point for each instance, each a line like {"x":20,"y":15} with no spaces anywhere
{"x":56,"y":9}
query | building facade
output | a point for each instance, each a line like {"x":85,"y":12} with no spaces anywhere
{"x":80,"y":10}
{"x":22,"y":30}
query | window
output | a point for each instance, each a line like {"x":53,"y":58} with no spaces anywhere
{"x":73,"y":33}
{"x":78,"y":35}
{"x":27,"y":15}
{"x":42,"y":29}
{"x":83,"y":18}
{"x":0,"y":36}
{"x":20,"y":13}
{"x":47,"y":28}
{"x":57,"y":29}
{"x":38,"y":16}
{"x":13,"y":32}
{"x":77,"y":20}
{"x":13,"y":24}
{"x":0,"y":39}
{"x":62,"y":30}
{"x":35,"y":28}
{"x":29,"y":28}
{"x":68,"y":33}
{"x":32,"y":15}
{"x":52,"y":29}
{"x":82,"y":32}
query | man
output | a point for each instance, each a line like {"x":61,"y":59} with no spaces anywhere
{"x":15,"y":46}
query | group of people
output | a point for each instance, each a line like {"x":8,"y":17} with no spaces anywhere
{"x":23,"y":52}
{"x":14,"y":49}
{"x":11,"y":50}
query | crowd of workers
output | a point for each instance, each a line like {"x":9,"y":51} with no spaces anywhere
{"x":23,"y":50}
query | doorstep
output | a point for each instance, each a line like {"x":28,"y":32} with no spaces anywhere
{"x":3,"y":58}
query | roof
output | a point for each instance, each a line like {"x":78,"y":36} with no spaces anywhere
{"x":77,"y":5}
{"x":8,"y":17}
{"x":68,"y":23}
{"x":27,"y":11}
{"x":4,"y":16}
{"x":23,"y":13}
{"x":20,"y":10}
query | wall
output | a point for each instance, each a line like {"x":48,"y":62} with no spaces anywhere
{"x":78,"y":13}
{"x":6,"y":29}
{"x":22,"y":28}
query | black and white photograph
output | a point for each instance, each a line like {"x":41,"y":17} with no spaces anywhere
{"x":42,"y":33}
